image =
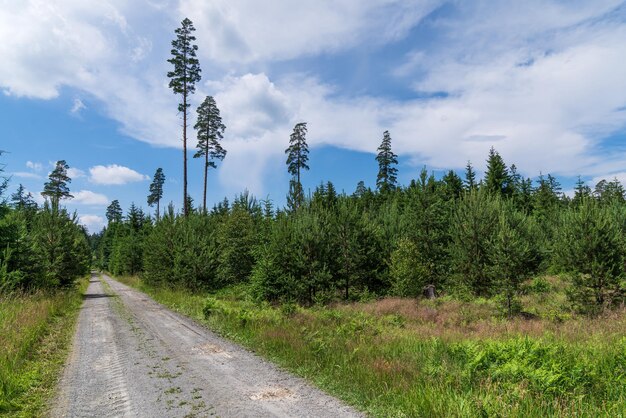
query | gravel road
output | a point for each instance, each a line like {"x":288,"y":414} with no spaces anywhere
{"x":133,"y":357}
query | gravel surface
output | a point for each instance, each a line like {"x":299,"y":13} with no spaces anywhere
{"x":133,"y":357}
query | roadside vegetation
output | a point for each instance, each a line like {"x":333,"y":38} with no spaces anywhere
{"x":35,"y":335}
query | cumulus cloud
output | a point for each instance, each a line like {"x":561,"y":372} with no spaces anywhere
{"x":114,"y":175}
{"x":93,"y":223}
{"x":87,"y":197}
{"x":34,"y":166}
{"x":75,"y":173}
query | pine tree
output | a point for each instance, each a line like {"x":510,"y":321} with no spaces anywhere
{"x":114,"y":212}
{"x":297,"y":158}
{"x":470,"y":177}
{"x":156,"y":190}
{"x":210,"y":132}
{"x":387,"y":162}
{"x":497,"y":178}
{"x":56,"y":188}
{"x":183,"y":81}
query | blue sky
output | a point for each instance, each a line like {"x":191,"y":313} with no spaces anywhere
{"x":542,"y":81}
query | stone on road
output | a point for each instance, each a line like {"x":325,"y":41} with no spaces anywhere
{"x":132,"y":357}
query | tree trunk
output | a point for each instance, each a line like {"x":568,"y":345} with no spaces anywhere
{"x":158,"y":214}
{"x":206,"y":172}
{"x":185,"y":203}
{"x":429,"y":292}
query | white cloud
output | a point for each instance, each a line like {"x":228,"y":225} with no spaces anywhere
{"x":77,"y":106}
{"x":75,"y":173}
{"x":87,"y":197}
{"x":34,"y":166}
{"x":92,"y":222}
{"x":26,"y":175}
{"x":114,"y":175}
{"x":249,"y":30}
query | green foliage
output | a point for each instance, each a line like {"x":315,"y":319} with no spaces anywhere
{"x":56,"y":188}
{"x":156,"y":192}
{"x":407,"y":274}
{"x":591,"y":249}
{"x":237,"y":236}
{"x":478,"y":239}
{"x":473,"y":227}
{"x":387,"y":165}
{"x":497,"y":178}
{"x":297,"y":159}
{"x":186,"y":72}
{"x":210,"y":132}
{"x":512,"y":255}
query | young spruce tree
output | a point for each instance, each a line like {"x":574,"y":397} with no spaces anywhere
{"x":183,"y":81}
{"x":387,"y":162}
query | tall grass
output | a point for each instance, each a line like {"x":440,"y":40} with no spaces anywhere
{"x":397,"y":357}
{"x":34,"y":335}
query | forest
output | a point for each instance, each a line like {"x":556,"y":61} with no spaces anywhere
{"x":466,"y":237}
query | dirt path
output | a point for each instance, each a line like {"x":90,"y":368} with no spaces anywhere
{"x":133,"y":357}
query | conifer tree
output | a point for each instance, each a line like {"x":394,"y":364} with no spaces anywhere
{"x":114,"y":212}
{"x":497,"y":178}
{"x":297,"y":158}
{"x":470,"y":177}
{"x":21,"y":200}
{"x":156,"y":190}
{"x":387,"y":162}
{"x":581,"y":191}
{"x":56,"y":188}
{"x":590,"y":247}
{"x":183,"y":81}
{"x":210,"y":132}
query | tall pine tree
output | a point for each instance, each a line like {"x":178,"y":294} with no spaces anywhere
{"x":156,"y":190}
{"x":387,"y":162}
{"x":56,"y":188}
{"x":210,"y":132}
{"x":297,"y":158}
{"x":183,"y":81}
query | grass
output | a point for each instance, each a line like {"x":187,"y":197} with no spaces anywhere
{"x":35,"y":335}
{"x":400,"y":357}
